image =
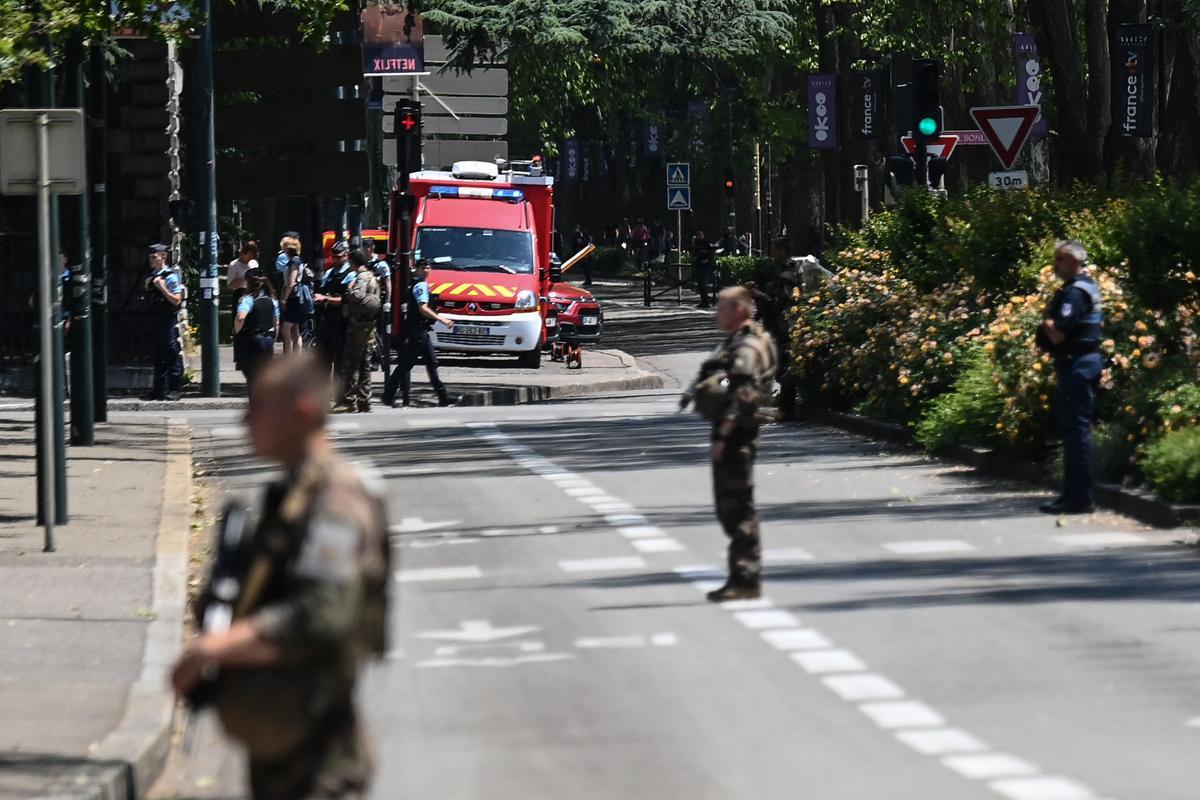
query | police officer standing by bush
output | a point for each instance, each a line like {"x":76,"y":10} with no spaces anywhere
{"x":1071,"y":331}
{"x":729,"y":392}
{"x":164,"y":296}
{"x":311,"y":608}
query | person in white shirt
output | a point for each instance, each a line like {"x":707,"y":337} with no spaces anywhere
{"x":236,"y":275}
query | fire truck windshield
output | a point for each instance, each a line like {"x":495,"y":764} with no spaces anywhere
{"x":476,"y":249}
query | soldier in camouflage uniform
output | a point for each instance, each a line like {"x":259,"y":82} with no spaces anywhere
{"x":750,"y":359}
{"x":312,"y":606}
{"x":361,"y":305}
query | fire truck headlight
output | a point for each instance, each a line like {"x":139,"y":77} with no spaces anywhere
{"x":526,"y":301}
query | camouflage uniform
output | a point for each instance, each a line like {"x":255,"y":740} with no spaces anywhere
{"x":750,"y":359}
{"x":354,"y":366}
{"x":323,"y":602}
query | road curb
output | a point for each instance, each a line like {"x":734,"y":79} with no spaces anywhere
{"x":1142,"y":506}
{"x":130,"y":758}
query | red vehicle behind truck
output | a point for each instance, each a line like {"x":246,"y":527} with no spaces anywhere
{"x":487,"y":234}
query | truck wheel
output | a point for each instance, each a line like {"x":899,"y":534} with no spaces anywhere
{"x":531,"y":359}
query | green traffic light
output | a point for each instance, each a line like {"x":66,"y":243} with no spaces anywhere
{"x":927,"y":126}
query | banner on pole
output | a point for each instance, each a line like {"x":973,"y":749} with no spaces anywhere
{"x":654,"y":140}
{"x":393,"y":41}
{"x":1029,"y":79}
{"x":822,"y":112}
{"x":571,"y":166}
{"x":1133,"y":81}
{"x":867,"y":93}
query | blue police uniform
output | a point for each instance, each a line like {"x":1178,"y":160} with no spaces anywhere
{"x":1077,"y":311}
{"x":164,"y":335}
{"x":254,"y":344}
{"x":418,"y":346}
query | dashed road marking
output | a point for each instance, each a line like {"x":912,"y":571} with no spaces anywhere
{"x":602,"y":564}
{"x":823,"y":662}
{"x":989,"y":766}
{"x":767,"y":618}
{"x":640,"y":532}
{"x":867,"y":686}
{"x":941,"y":741}
{"x":785,"y":555}
{"x":664,"y":545}
{"x":1046,"y":787}
{"x":585,"y":491}
{"x":625,"y":519}
{"x":438,"y":574}
{"x":795,"y":639}
{"x":929,"y":547}
{"x":902,"y":714}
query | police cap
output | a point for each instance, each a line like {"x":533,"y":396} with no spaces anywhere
{"x":159,"y":248}
{"x":368,"y":241}
{"x":291,"y":234}
{"x":341,"y":247}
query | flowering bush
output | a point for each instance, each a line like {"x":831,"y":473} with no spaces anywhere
{"x":957,"y":359}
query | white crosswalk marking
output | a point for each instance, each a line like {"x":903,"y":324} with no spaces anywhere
{"x":867,"y":686}
{"x":819,"y":662}
{"x":929,"y":547}
{"x":941,"y":741}
{"x":987,"y":766}
{"x":602,"y":564}
{"x":438,"y":574}
{"x":902,"y":714}
{"x":1049,"y":787}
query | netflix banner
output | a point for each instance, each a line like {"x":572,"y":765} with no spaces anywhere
{"x":822,"y":112}
{"x":1029,"y":79}
{"x":393,"y":41}
{"x":1133,"y":81}
{"x":867,"y":90}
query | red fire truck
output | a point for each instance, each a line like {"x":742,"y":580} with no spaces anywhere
{"x":486,"y":233}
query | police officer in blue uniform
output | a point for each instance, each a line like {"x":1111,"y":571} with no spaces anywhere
{"x":419,"y":319}
{"x":1071,"y":330}
{"x":164,"y":296}
{"x":331,"y":323}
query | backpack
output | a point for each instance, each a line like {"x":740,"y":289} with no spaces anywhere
{"x":362,"y":300}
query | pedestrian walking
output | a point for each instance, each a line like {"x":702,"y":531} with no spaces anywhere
{"x":419,"y":318}
{"x":235,"y":273}
{"x":378,"y":264}
{"x":164,"y":296}
{"x":1071,"y":331}
{"x":255,"y":326}
{"x":361,"y":305}
{"x":297,"y":300}
{"x":331,"y":324}
{"x":312,"y":608}
{"x":704,"y":262}
{"x":729,"y":392}
{"x":772,"y":286}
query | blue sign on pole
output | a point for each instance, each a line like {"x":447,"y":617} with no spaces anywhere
{"x":679,"y":174}
{"x":679,"y":198}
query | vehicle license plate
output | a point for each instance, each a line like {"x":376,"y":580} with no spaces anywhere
{"x":590,"y":320}
{"x":470,"y":330}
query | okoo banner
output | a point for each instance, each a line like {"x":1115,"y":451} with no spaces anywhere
{"x":1029,"y":78}
{"x":572,"y":161}
{"x":1133,"y":81}
{"x":393,"y":41}
{"x":866,"y":94}
{"x":822,"y":112}
{"x":653,"y":144}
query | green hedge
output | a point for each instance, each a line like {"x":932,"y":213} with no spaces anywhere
{"x":1172,"y":465}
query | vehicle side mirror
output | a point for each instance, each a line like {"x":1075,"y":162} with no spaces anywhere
{"x":556,"y":273}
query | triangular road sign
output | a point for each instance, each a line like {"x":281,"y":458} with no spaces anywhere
{"x":937,"y":147}
{"x":1006,"y":129}
{"x":679,"y":198}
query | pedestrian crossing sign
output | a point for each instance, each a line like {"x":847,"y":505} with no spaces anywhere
{"x":679,"y":174}
{"x":679,"y":198}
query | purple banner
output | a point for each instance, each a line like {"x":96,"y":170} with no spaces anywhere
{"x":822,"y":112}
{"x":572,"y":161}
{"x":1029,"y":78}
{"x":698,"y":111}
{"x":654,"y":140}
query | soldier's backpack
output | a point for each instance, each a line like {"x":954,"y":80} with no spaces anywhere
{"x":363,"y":302}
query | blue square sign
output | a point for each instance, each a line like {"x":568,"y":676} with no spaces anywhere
{"x":679,"y":198}
{"x":679,"y":174}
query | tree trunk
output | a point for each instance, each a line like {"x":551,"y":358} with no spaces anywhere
{"x":1055,"y":32}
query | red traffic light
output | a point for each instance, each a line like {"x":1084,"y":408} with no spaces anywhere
{"x":408,"y":122}
{"x":728,"y":184}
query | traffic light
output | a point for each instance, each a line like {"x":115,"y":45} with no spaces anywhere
{"x":729,"y":186}
{"x":927,"y":118}
{"x":937,"y":170}
{"x":407,"y":130}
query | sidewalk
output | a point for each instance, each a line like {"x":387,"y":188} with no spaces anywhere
{"x":87,"y":632}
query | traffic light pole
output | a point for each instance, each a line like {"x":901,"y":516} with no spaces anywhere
{"x":83,"y":430}
{"x":210,"y":353}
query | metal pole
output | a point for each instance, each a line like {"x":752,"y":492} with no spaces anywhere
{"x":83,"y":429}
{"x":45,"y":325}
{"x":208,"y":315}
{"x":679,"y":258}
{"x":97,"y":173}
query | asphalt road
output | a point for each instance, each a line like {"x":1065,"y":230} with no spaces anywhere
{"x":925,"y":634}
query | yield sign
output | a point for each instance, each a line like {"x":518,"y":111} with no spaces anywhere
{"x":1006,"y":128}
{"x":937,"y":147}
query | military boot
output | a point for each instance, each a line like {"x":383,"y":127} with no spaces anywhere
{"x":736,"y":590}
